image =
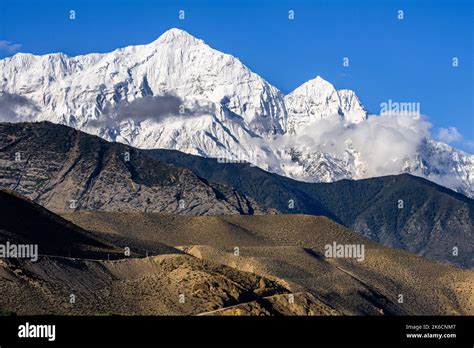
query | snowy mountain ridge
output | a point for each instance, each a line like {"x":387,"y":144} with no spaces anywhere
{"x":179,"y":93}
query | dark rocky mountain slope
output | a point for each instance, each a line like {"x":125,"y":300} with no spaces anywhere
{"x":65,"y":170}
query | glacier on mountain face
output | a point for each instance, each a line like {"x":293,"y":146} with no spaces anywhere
{"x":315,"y":133}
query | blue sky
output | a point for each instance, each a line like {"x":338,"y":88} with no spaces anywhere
{"x":407,"y":60}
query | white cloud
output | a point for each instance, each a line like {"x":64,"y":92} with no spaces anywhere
{"x":449,"y":135}
{"x":383,"y":142}
{"x":16,"y":108}
{"x":9,"y":47}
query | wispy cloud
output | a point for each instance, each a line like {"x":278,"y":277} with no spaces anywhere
{"x":449,"y":135}
{"x":16,"y":108}
{"x":155,"y":108}
{"x":9,"y":47}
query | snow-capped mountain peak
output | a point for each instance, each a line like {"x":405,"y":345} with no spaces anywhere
{"x":175,"y":35}
{"x":74,"y":90}
{"x":318,"y":99}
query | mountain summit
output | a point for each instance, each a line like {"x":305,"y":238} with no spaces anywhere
{"x":179,"y":93}
{"x":174,"y":34}
{"x":318,"y":99}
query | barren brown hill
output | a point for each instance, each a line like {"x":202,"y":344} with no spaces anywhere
{"x":24,"y":222}
{"x":290,"y":249}
{"x":160,"y":285}
{"x":66,"y":280}
{"x":228,"y":265}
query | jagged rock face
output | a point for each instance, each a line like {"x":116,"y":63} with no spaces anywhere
{"x":236,"y":114}
{"x":66,"y":170}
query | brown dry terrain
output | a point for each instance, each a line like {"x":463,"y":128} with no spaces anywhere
{"x":24,"y":222}
{"x":138,"y":286}
{"x":193,"y":267}
{"x":289,"y":249}
{"x":74,"y":264}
